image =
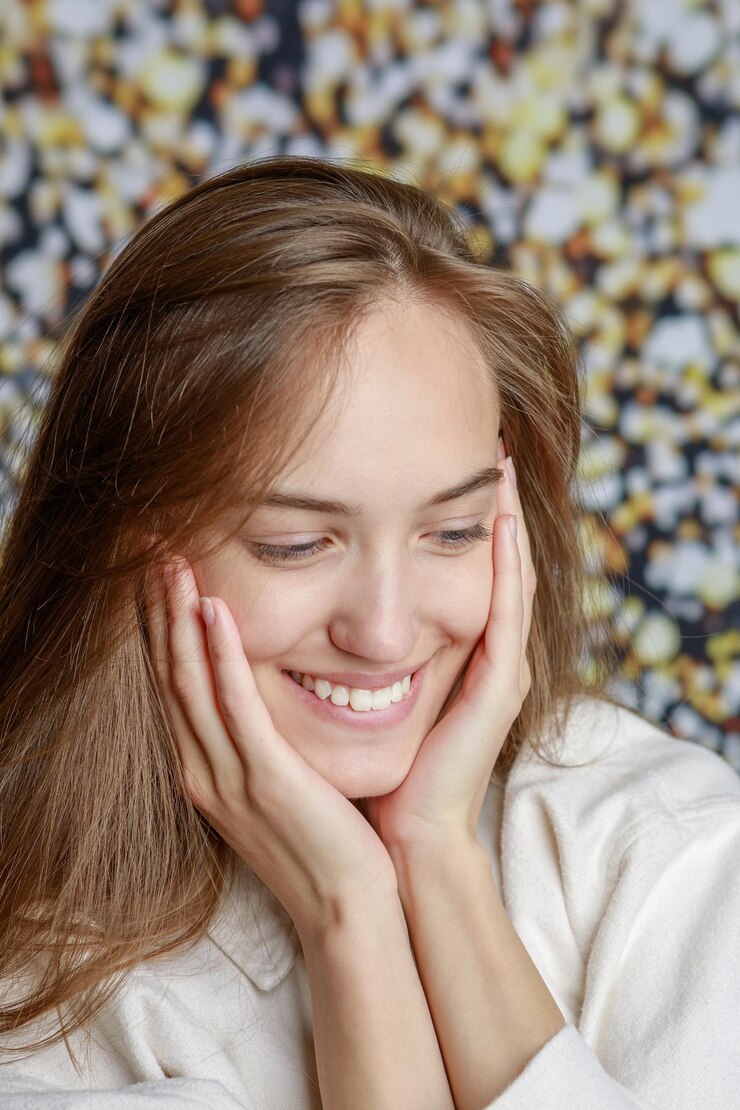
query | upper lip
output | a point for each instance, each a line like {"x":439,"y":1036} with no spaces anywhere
{"x":362,"y":680}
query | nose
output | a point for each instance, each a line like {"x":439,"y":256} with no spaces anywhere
{"x":375,"y":616}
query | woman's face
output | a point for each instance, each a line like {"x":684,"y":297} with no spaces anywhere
{"x":382,"y":591}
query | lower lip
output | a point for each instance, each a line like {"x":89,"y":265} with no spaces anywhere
{"x":372,"y":719}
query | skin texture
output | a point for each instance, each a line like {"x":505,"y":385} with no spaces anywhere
{"x":417,"y":417}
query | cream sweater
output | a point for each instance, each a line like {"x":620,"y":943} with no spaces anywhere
{"x":623,"y":880}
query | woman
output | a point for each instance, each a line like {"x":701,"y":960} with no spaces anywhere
{"x":291,"y":631}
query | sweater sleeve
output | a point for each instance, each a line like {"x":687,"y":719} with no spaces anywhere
{"x":24,"y":1093}
{"x":658,"y":1024}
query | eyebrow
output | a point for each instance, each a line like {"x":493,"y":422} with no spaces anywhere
{"x":488,"y":476}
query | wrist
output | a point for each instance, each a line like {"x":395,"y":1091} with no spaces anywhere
{"x":445,"y":847}
{"x":349,"y":916}
{"x":422,"y":861}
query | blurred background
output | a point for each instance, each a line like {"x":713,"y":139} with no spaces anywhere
{"x":593,"y":147}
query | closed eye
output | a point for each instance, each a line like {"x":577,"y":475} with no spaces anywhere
{"x":456,"y":539}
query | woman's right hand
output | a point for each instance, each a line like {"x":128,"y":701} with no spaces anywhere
{"x":308,"y":843}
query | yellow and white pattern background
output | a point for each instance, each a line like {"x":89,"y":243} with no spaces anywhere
{"x":594,"y":148}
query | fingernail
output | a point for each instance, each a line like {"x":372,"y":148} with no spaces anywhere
{"x":512,"y":525}
{"x":206,"y":608}
{"x":501,"y":449}
{"x":510,"y":469}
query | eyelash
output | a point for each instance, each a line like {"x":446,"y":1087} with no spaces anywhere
{"x":270,"y":552}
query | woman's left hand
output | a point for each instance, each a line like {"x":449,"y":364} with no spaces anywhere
{"x":441,"y":797}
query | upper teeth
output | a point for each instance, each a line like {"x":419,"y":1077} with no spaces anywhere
{"x":359,"y":699}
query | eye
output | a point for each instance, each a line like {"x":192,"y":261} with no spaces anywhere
{"x":275,"y":552}
{"x":465,"y":537}
{"x":457,"y":539}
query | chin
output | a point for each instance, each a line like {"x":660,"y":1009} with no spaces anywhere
{"x":357,"y":787}
{"x":357,"y":779}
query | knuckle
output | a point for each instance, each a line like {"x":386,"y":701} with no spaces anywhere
{"x":225,"y":794}
{"x":263,"y":797}
{"x":232,"y":709}
{"x":183,"y":685}
{"x":196,"y":790}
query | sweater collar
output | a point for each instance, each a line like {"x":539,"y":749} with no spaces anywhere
{"x":254,"y":930}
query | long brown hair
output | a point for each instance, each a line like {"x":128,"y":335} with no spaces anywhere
{"x":185,"y":384}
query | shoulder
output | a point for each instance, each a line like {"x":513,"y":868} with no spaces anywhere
{"x":613,"y":774}
{"x":625,"y":816}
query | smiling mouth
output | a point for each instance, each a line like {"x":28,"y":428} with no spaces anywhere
{"x":358,"y":699}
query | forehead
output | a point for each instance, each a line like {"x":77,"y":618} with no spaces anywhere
{"x":414,"y":394}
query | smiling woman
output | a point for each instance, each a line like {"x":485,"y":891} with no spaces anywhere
{"x":393,"y":577}
{"x":291,"y":629}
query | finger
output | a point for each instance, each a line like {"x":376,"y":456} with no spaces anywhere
{"x":275,"y":770}
{"x":513,"y":504}
{"x":246,"y":716}
{"x":197,"y":776}
{"x":502,"y":637}
{"x":204,"y":735}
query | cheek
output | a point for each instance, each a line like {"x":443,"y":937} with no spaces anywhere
{"x":274,"y":616}
{"x":462,"y":595}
